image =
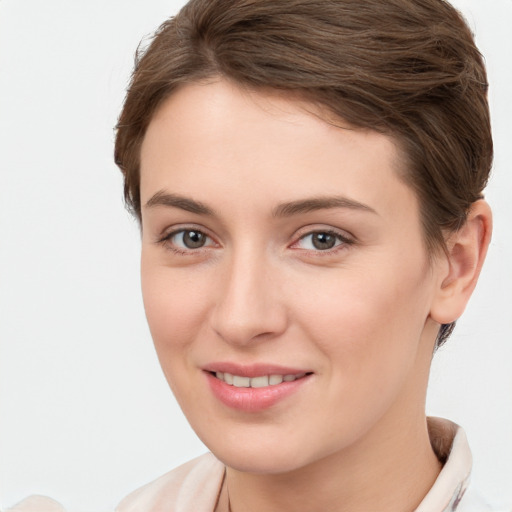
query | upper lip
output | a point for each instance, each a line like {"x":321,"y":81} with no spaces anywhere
{"x":253,"y":369}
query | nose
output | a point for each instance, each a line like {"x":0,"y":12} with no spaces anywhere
{"x":250,"y":304}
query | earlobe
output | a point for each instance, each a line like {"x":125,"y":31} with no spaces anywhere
{"x":466,"y":253}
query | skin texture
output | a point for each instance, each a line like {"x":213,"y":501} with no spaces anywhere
{"x":361,"y":316}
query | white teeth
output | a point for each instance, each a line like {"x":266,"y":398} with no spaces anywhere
{"x":259,"y":382}
{"x":256,"y":382}
{"x":241,"y":382}
{"x":275,"y":379}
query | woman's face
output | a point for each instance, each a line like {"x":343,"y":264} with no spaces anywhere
{"x":278,"y":247}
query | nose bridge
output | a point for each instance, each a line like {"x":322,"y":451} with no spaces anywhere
{"x":248,"y":305}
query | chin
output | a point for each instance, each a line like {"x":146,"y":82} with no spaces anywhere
{"x":259,"y":461}
{"x":261,"y":453}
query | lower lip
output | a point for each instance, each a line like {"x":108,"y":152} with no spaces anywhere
{"x":253,"y":399}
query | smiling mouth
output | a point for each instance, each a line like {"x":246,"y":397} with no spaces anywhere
{"x":262,"y":381}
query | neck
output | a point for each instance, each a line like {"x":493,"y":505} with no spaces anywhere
{"x":391,"y":476}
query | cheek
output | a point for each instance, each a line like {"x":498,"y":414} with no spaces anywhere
{"x":367,"y":326}
{"x":367,"y":323}
{"x":175,"y":304}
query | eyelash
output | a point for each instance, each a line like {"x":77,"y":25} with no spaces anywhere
{"x":343,"y":240}
{"x":166,"y":241}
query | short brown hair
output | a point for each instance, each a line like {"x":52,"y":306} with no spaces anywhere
{"x":406,"y":68}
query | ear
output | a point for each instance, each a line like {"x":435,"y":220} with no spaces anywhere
{"x":460,"y":267}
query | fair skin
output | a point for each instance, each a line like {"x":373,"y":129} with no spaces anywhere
{"x":272,"y":237}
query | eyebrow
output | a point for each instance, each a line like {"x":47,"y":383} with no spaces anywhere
{"x":162,"y":198}
{"x":319,"y":203}
{"x":288,"y":209}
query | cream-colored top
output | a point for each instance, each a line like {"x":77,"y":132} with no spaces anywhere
{"x":195,"y":486}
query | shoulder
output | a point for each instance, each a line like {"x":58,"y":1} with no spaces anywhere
{"x":194,"y":486}
{"x":36,"y":503}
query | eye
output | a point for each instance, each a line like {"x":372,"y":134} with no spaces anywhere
{"x":322,"y":241}
{"x":188,"y":239}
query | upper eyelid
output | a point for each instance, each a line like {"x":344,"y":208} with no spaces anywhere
{"x":309,"y":230}
{"x":333,"y":233}
{"x":343,"y":240}
{"x":169,"y":232}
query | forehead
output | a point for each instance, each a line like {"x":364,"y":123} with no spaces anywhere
{"x":220,"y":138}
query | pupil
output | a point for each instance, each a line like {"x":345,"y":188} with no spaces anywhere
{"x":193,"y":239}
{"x":323,"y":241}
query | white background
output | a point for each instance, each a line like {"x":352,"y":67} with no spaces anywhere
{"x":85,"y":413}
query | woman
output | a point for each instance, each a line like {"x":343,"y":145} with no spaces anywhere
{"x":308,"y":177}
